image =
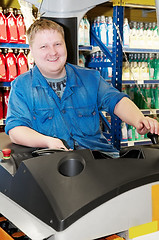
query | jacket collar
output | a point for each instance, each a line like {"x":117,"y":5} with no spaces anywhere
{"x":40,"y":81}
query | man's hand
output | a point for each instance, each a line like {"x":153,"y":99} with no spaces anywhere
{"x":147,"y":124}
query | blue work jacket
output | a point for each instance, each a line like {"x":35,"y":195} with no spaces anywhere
{"x":74,"y":117}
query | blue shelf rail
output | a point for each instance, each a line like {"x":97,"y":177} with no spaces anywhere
{"x":116,"y":57}
{"x":14,"y":45}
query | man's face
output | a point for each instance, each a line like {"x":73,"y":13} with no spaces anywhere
{"x":49,"y":52}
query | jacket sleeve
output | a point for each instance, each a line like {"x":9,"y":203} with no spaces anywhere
{"x":108,"y":97}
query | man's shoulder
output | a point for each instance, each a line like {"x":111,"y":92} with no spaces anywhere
{"x":23,"y":79}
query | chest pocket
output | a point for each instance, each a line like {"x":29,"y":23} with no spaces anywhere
{"x":88,"y":120}
{"x":43,"y":120}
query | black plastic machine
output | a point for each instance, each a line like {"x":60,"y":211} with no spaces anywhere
{"x":76,"y":195}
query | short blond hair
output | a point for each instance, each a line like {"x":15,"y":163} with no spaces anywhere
{"x":40,"y":25}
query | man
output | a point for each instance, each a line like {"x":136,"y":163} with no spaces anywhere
{"x":57,"y":101}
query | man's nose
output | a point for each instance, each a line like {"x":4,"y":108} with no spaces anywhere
{"x":52,"y":50}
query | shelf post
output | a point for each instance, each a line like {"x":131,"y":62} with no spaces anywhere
{"x":117,"y":58}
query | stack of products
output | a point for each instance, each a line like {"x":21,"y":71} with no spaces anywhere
{"x":12,"y":26}
{"x":12,"y":64}
{"x":141,"y":67}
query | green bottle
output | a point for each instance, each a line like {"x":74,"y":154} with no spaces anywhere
{"x":156,"y":66}
{"x":147,"y":96}
{"x":152,"y":92}
{"x":151,"y":66}
{"x":131,"y":133}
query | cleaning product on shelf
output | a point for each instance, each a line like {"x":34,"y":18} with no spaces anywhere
{"x":11,"y":68}
{"x":93,"y":24}
{"x":2,"y":67}
{"x":156,"y":67}
{"x":86,"y":31}
{"x":151,"y":66}
{"x":125,"y":71}
{"x":155,"y":36}
{"x":5,"y":100}
{"x":147,"y":97}
{"x":22,"y":65}
{"x":103,"y":30}
{"x":3,"y":27}
{"x":141,"y":35}
{"x":149,"y":36}
{"x":152,"y":92}
{"x":82,"y":60}
{"x":124,"y":132}
{"x":81,"y":33}
{"x":131,"y":133}
{"x":20,"y":27}
{"x":97,"y":27}
{"x":1,"y":105}
{"x":126,"y":33}
{"x":133,"y":36}
{"x":12,"y":27}
{"x":110,"y":32}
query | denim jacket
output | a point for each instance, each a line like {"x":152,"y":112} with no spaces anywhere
{"x":74,"y":117}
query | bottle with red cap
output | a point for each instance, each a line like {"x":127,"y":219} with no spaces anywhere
{"x":1,"y":105}
{"x":2,"y":67}
{"x":11,"y":67}
{"x":21,"y":27}
{"x":22,"y":65}
{"x":12,"y":27}
{"x":3,"y":27}
{"x":5,"y":101}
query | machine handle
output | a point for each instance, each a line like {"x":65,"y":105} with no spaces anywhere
{"x":153,"y":137}
{"x":46,"y":151}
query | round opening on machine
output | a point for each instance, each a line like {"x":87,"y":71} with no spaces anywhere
{"x":71,"y":165}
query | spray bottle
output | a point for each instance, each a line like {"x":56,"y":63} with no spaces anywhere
{"x":11,"y":67}
{"x":3,"y":27}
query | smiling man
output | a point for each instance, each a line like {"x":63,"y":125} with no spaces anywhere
{"x":57,"y":104}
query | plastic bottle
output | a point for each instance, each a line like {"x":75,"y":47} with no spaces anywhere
{"x":149,"y":36}
{"x":156,"y":66}
{"x":103,"y":30}
{"x":3,"y":27}
{"x":11,"y":67}
{"x":110,"y":71}
{"x":131,"y":133}
{"x":141,"y":35}
{"x":125,"y":71}
{"x":147,"y":96}
{"x":81,"y":33}
{"x":105,"y":70}
{"x":86,"y":31}
{"x":93,"y":29}
{"x":1,"y":105}
{"x":124,"y":132}
{"x":151,"y":66}
{"x":22,"y":65}
{"x":110,"y":32}
{"x":2,"y":67}
{"x":20,"y":27}
{"x":152,"y":91}
{"x":133,"y":36}
{"x":135,"y":70}
{"x":126,"y":33}
{"x":12,"y":27}
{"x":157,"y":97}
{"x":97,"y":27}
{"x":5,"y":101}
